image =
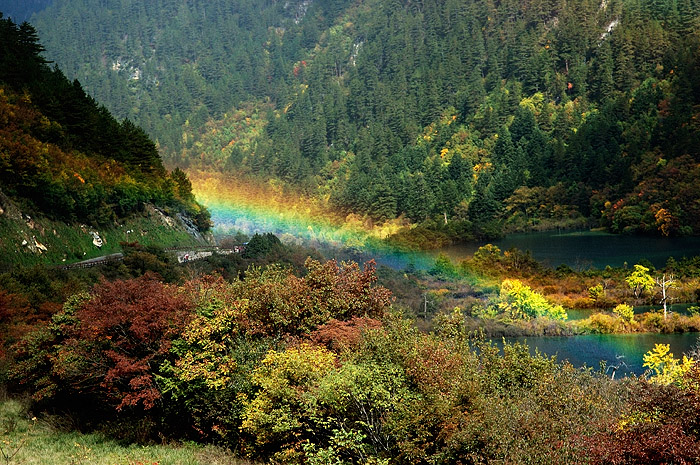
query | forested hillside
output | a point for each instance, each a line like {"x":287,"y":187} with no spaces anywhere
{"x":471,"y":117}
{"x":65,"y":157}
{"x":22,"y":10}
{"x":466,"y":118}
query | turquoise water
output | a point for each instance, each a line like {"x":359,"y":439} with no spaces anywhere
{"x":586,"y":249}
{"x":579,"y":250}
{"x":682,"y":309}
{"x":623,"y":350}
{"x":583,"y":250}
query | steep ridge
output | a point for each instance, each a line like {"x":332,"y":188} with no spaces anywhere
{"x":75,"y":182}
{"x":470,"y":118}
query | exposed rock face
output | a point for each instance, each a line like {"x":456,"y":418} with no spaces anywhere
{"x":181,"y":222}
{"x":189,"y":225}
{"x":34,"y":245}
{"x":7,"y":207}
{"x":96,"y":239}
{"x":40,"y":248}
{"x":164,"y":218}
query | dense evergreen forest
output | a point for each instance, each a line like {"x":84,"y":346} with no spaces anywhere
{"x":22,"y":10}
{"x":473,"y":117}
{"x":284,"y":358}
{"x":68,"y":156}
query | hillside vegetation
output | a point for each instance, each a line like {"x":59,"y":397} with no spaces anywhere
{"x":67,"y":165}
{"x":22,"y":11}
{"x":320,"y":368}
{"x":466,"y":117}
{"x":470,"y":117}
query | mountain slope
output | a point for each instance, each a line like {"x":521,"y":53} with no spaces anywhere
{"x":22,"y":10}
{"x":470,"y":116}
{"x":163,"y":62}
{"x":66,"y":160}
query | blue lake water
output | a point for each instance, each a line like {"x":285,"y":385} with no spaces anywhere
{"x":585,"y":249}
{"x":625,"y":350}
{"x":579,"y":250}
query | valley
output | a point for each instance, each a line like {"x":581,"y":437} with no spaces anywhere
{"x":350,"y":232}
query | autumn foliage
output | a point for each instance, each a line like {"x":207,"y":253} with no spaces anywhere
{"x":318,"y":369}
{"x":661,"y":425}
{"x":106,"y":345}
{"x":342,"y":335}
{"x":144,"y":346}
{"x":128,"y":327}
{"x":281,"y":303}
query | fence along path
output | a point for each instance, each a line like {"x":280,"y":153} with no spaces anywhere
{"x":89,"y":263}
{"x":183,"y":254}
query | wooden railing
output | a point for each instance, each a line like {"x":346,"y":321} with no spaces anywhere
{"x":89,"y":263}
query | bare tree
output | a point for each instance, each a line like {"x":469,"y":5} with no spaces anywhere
{"x":665,"y":283}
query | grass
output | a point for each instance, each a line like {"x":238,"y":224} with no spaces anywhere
{"x":68,"y":243}
{"x":31,"y":441}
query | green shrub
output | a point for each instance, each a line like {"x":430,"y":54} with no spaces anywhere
{"x":277,"y":417}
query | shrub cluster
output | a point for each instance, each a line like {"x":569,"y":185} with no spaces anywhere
{"x":318,"y":369}
{"x":145,"y":348}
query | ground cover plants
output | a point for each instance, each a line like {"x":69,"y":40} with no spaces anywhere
{"x":324,"y":366}
{"x":46,"y":440}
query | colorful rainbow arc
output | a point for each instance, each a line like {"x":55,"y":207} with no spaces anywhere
{"x":238,"y":205}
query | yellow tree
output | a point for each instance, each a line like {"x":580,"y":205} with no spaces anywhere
{"x":640,"y":280}
{"x":665,"y":368}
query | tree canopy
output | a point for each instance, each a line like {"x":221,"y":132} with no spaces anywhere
{"x":487,"y":115}
{"x":67,"y":154}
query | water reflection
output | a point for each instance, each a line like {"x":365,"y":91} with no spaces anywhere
{"x":589,"y":350}
{"x":585,"y":249}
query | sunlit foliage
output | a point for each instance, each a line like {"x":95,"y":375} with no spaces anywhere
{"x":664,"y":367}
{"x":68,"y":155}
{"x":520,"y":301}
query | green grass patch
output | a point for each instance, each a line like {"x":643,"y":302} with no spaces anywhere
{"x":68,"y":243}
{"x":37,"y":441}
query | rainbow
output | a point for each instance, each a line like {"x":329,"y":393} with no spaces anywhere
{"x":251,"y":207}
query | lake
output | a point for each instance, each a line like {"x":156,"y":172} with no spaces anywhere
{"x":579,"y":250}
{"x":681,"y":308}
{"x":585,"y":249}
{"x":625,"y":350}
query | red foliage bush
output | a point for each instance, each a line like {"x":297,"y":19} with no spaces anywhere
{"x":342,"y":335}
{"x":12,"y":307}
{"x":18,"y":317}
{"x":662,"y":427}
{"x":124,"y":331}
{"x":281,"y":303}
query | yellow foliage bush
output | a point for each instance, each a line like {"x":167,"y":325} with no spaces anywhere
{"x":602,"y":323}
{"x":665,"y":368}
